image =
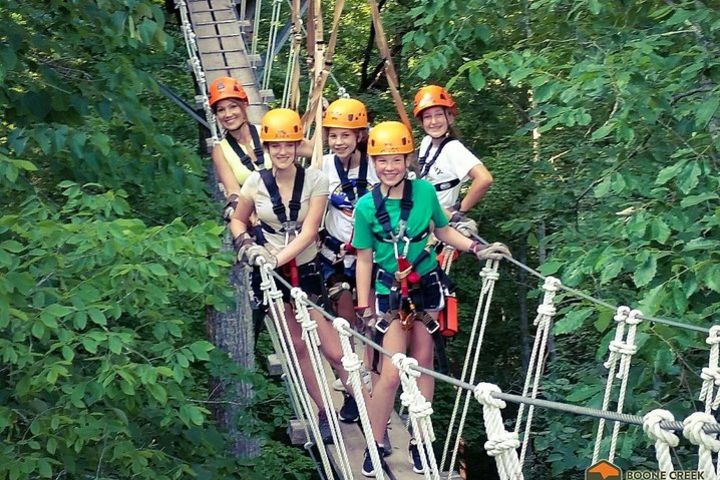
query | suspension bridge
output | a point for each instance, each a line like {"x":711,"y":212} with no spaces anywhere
{"x":222,"y":39}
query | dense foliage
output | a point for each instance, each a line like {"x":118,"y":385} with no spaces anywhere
{"x":109,"y":256}
{"x":619,"y":189}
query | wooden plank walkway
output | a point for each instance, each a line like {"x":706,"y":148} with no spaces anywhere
{"x":222,"y":50}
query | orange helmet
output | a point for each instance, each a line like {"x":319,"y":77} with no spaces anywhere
{"x":433,"y":96}
{"x":226,"y":87}
{"x":390,"y":138}
{"x":345,"y":113}
{"x":281,"y":125}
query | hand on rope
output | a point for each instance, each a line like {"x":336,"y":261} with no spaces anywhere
{"x":241,"y":244}
{"x":463,"y":224}
{"x":256,"y":253}
{"x":493,"y":251}
{"x":230,"y":206}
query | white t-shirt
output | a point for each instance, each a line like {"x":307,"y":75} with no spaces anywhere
{"x":454,"y":162}
{"x":315,"y":185}
{"x":339,"y":218}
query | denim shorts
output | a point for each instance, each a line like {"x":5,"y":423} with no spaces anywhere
{"x":333,"y":273}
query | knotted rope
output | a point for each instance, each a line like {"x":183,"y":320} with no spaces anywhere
{"x":707,"y":443}
{"x":352,"y":364}
{"x":489,"y":275}
{"x":420,"y":411}
{"x":710,"y":391}
{"x":543,"y":321}
{"x":312,"y":341}
{"x":273,"y":298}
{"x":501,"y":444}
{"x":622,"y":348}
{"x":664,"y":439}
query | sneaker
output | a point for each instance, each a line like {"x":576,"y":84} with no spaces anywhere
{"x":414,"y":457}
{"x":367,"y":469}
{"x":349,"y":411}
{"x":324,"y":427}
{"x":338,"y":386}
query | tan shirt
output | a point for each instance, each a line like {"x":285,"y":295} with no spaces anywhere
{"x":315,"y":185}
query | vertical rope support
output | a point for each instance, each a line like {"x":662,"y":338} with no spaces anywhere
{"x":621,"y":348}
{"x":489,"y":275}
{"x":352,"y":364}
{"x":272,"y":297}
{"x":707,"y":443}
{"x":664,"y":439}
{"x":272,"y":38}
{"x":312,"y":340}
{"x":501,"y":444}
{"x":710,"y":392}
{"x":420,"y":411}
{"x":256,"y":27}
{"x":194,"y":61}
{"x":536,"y":366}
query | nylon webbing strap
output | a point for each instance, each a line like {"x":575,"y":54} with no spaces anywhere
{"x":384,"y":217}
{"x":425,"y":167}
{"x":346,"y":184}
{"x":322,"y":72}
{"x":278,"y":205}
{"x":244,"y":157}
{"x":390,"y":73}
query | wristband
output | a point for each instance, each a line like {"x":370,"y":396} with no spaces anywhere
{"x":360,"y":309}
{"x":475,"y":247}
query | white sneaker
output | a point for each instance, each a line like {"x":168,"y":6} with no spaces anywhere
{"x":338,"y":385}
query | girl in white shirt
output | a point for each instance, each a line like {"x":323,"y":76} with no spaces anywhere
{"x":443,"y":160}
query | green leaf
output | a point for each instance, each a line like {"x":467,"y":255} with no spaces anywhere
{"x":659,"y":231}
{"x":550,"y":267}
{"x":158,"y":393}
{"x":706,"y":110}
{"x":668,"y":173}
{"x":572,"y":321}
{"x":157,"y":269}
{"x":611,"y":269}
{"x":477,"y":79}
{"x":603,"y":320}
{"x":712,"y":278}
{"x":57,"y":310}
{"x":646,"y":269}
{"x":97,"y":316}
{"x":200,"y":349}
{"x":689,"y":178}
{"x":691,"y":200}
{"x":594,"y":6}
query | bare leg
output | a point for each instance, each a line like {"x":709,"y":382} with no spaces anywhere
{"x":303,"y":357}
{"x":330,"y":344}
{"x":383,"y":398}
{"x":422,"y":348}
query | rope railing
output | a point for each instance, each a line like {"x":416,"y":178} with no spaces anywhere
{"x":601,"y":303}
{"x":512,"y":398}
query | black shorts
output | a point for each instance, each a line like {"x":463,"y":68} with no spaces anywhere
{"x":311,"y":282}
{"x":427,"y":296}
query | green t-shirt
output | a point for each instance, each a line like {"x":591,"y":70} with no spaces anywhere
{"x":425,"y":209}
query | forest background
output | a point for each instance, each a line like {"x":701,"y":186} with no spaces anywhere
{"x":109,"y":238}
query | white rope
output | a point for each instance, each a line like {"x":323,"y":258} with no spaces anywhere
{"x":707,"y":443}
{"x":501,"y":444}
{"x":256,"y":26}
{"x":420,"y":411}
{"x":622,"y":348}
{"x":272,"y":38}
{"x":312,"y":340}
{"x":352,"y":364}
{"x":489,"y":275}
{"x":536,"y":366}
{"x":194,"y":61}
{"x":664,"y":439}
{"x":272,"y":297}
{"x":710,"y":392}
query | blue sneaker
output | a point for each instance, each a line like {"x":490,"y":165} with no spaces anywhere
{"x":414,"y":457}
{"x":324,"y":427}
{"x":368,"y":469}
{"x":349,"y":412}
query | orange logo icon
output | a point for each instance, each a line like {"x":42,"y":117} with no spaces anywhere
{"x":603,"y":470}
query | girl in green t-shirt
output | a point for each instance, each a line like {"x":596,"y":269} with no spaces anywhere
{"x":392,"y":226}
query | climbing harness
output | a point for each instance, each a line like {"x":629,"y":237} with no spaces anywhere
{"x":259,"y":163}
{"x":425,"y":166}
{"x":353,"y":192}
{"x":289,"y":223}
